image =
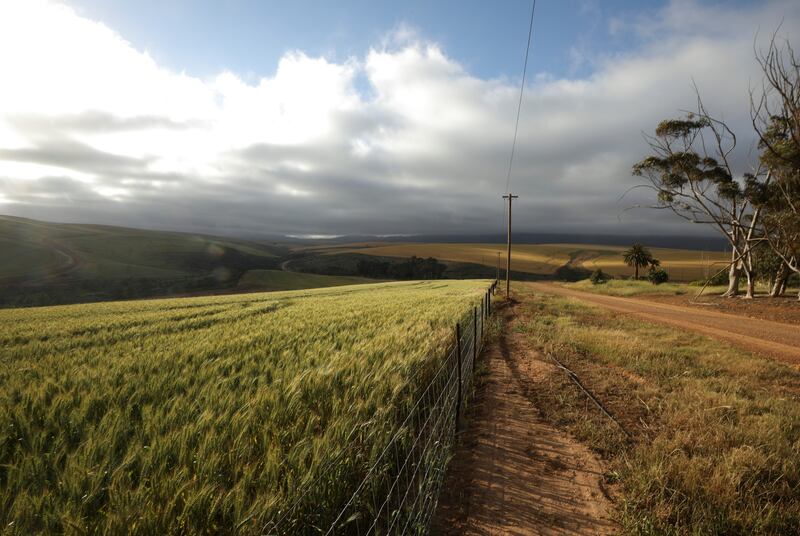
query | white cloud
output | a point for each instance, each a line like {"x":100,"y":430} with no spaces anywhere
{"x":304,"y":151}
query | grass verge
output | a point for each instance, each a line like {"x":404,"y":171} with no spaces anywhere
{"x":715,"y":431}
{"x":627,"y":288}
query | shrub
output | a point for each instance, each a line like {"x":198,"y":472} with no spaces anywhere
{"x":657,"y":276}
{"x":719,"y":279}
{"x":598,"y":277}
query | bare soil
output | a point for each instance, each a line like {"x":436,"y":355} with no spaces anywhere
{"x":778,"y":340}
{"x":784,"y":309}
{"x":512,"y":472}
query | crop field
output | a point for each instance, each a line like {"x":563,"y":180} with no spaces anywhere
{"x":206,"y":415}
{"x":274,"y":280}
{"x":682,"y":264}
{"x":538,"y":259}
{"x":546,"y":259}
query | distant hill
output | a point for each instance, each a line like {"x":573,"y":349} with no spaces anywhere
{"x":51,"y":263}
{"x":699,"y":243}
{"x":530,"y":261}
{"x":47,"y":263}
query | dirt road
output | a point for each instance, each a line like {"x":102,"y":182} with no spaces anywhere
{"x":775,"y":339}
{"x":512,"y":473}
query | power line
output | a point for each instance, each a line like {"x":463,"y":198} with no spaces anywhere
{"x":519,"y":103}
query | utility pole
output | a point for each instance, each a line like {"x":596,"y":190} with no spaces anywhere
{"x":497,"y":277}
{"x":508,"y":253}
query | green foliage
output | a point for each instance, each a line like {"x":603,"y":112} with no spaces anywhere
{"x":719,"y":279}
{"x":412,"y":268}
{"x":675,"y":128}
{"x":780,"y":200}
{"x":639,"y":257}
{"x":657,"y":276}
{"x":598,"y":277}
{"x":766,"y":263}
{"x":206,"y":415}
{"x":680,"y":169}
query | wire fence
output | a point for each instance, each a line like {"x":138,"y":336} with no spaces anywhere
{"x":401,"y":483}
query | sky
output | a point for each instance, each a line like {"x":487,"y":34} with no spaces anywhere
{"x":355,"y":117}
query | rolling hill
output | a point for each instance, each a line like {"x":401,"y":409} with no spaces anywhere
{"x":53,"y":263}
{"x":57,"y":263}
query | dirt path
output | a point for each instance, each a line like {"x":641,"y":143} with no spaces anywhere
{"x":512,"y":473}
{"x":778,"y":340}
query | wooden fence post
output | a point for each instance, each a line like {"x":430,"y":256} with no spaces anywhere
{"x":474,"y":337}
{"x":483,"y":315}
{"x":458,"y":353}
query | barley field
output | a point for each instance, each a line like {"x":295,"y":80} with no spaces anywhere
{"x":212,"y":414}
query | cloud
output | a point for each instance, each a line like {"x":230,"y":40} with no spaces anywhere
{"x":401,"y":140}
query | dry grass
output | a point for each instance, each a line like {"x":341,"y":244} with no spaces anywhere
{"x":627,"y":288}
{"x":715,"y":445}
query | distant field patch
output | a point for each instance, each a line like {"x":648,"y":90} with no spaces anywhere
{"x":546,"y":259}
{"x":536,"y":259}
{"x":205,"y":415}
{"x":682,"y":264}
{"x":273,"y":280}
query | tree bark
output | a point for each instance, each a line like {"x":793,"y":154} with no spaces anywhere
{"x":733,"y":281}
{"x":779,"y":285}
{"x":751,"y":286}
{"x":636,"y":272}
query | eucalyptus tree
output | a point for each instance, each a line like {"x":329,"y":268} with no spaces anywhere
{"x":776,"y":118}
{"x":690,"y":169}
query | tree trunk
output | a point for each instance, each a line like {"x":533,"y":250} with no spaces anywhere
{"x":779,"y":285}
{"x":636,"y":272}
{"x":751,"y":286}
{"x":733,"y":282}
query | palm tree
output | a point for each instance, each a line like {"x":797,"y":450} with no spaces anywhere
{"x":639,"y":256}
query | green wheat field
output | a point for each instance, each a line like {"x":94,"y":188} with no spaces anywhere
{"x":201,"y":414}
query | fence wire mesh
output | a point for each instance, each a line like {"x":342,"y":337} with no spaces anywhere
{"x":401,"y":483}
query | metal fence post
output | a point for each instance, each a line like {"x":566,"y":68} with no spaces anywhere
{"x":458,"y":353}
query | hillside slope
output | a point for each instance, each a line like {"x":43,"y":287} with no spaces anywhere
{"x":58,"y":263}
